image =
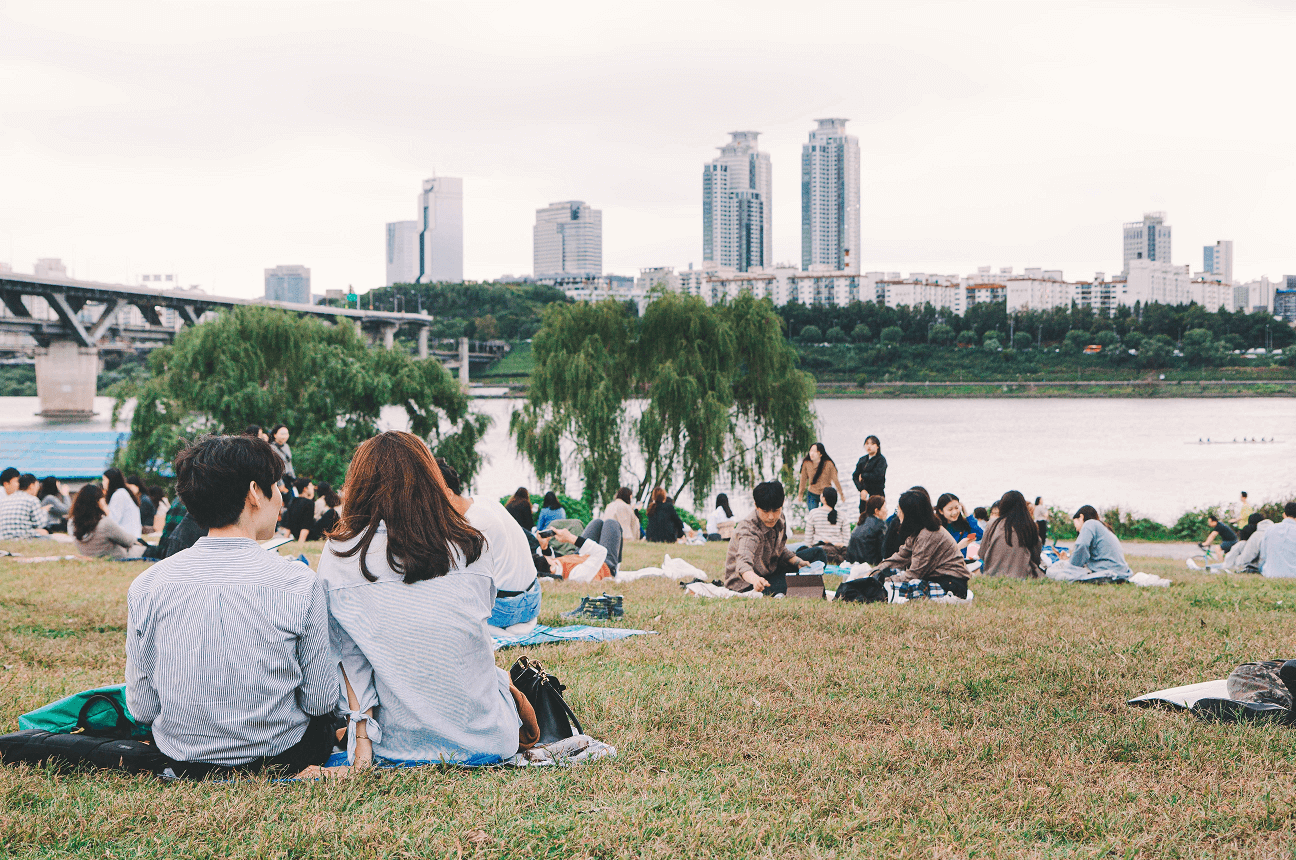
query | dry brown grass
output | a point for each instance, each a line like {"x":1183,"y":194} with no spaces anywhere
{"x":766,"y":728}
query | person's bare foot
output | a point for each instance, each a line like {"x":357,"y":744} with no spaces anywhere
{"x":317,"y":772}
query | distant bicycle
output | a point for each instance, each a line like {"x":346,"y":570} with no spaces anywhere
{"x":1210,"y":558}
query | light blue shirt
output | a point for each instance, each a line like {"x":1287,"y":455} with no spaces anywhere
{"x":548,"y":515}
{"x":1278,"y":550}
{"x":1099,"y":550}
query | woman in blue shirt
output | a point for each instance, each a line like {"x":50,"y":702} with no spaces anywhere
{"x":550,"y":510}
{"x":965,"y":531}
{"x":1097,"y":555}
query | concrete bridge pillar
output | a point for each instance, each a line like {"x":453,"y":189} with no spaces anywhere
{"x":66,"y":376}
{"x":389,"y":336}
{"x":463,"y":361}
{"x":423,"y":342}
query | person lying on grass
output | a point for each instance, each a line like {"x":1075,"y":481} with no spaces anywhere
{"x":408,"y":604}
{"x":596,"y":552}
{"x":927,"y":550}
{"x":227,"y":645}
{"x":758,"y":557}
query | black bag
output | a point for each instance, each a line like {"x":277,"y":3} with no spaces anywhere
{"x":117,"y":751}
{"x":544,"y":692}
{"x":863,"y":590}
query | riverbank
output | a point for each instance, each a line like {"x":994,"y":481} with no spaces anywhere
{"x":1059,"y":388}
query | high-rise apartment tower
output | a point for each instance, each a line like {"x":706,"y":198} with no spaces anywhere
{"x":1148,"y":239}
{"x":288,"y":284}
{"x":737,"y":195}
{"x":440,"y":226}
{"x":567,"y":240}
{"x":1217,"y":259}
{"x":830,"y":198}
{"x":402,"y":252}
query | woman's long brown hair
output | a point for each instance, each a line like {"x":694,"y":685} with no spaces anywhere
{"x":394,"y":480}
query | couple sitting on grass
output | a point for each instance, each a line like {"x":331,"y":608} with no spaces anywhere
{"x":240,"y":659}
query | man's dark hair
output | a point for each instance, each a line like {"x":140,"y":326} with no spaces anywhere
{"x":1211,"y":518}
{"x":452,"y":479}
{"x":213,"y":473}
{"x":768,"y":496}
{"x":1244,"y":495}
{"x":25,"y":481}
{"x":301,"y":484}
{"x":1289,"y":509}
{"x":8,"y":475}
{"x":252,"y":430}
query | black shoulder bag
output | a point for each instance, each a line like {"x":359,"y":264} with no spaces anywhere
{"x":544,"y":692}
{"x":110,"y":748}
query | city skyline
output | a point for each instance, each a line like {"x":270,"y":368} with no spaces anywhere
{"x":979,"y":144}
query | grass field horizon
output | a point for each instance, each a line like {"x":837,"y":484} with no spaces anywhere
{"x":745,"y":728}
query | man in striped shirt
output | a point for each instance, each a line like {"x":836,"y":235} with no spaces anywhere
{"x":227,"y":646}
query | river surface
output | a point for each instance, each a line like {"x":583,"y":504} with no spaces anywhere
{"x":1142,"y":454}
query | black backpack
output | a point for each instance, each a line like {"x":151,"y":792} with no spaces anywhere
{"x":117,"y":751}
{"x":863,"y":590}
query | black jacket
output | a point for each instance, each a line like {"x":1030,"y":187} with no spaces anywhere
{"x":664,"y":525}
{"x":870,"y":474}
{"x":866,"y":542}
{"x":891,"y":544}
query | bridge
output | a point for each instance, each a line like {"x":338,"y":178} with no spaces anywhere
{"x":70,"y":321}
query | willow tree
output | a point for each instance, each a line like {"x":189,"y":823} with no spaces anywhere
{"x":257,"y":365}
{"x":703,"y":393}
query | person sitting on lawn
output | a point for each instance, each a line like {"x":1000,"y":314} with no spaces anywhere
{"x":95,"y":533}
{"x":927,"y":550}
{"x":758,"y":557}
{"x":505,"y":555}
{"x":866,"y":540}
{"x":1097,"y":555}
{"x":664,"y":524}
{"x":21,"y":514}
{"x":408,"y":604}
{"x":954,"y":518}
{"x":1278,"y":546}
{"x":1011,"y":545}
{"x":227,"y":645}
{"x":827,"y":528}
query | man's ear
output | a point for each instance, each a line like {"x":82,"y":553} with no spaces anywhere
{"x":255,"y":498}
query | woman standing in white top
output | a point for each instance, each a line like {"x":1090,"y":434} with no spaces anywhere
{"x":408,"y":606}
{"x":123,"y":507}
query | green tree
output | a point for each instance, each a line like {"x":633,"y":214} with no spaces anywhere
{"x":258,"y":365}
{"x":835,"y":335}
{"x":1107,"y":339}
{"x":892,"y":335}
{"x":719,"y":388}
{"x":811,"y":334}
{"x":1156,"y":352}
{"x":1075,"y":341}
{"x":1200,"y":348}
{"x":1134,"y":339}
{"x":967,"y":337}
{"x":942,"y":334}
{"x":861,"y":334}
{"x":991,"y":345}
{"x":1022,"y":340}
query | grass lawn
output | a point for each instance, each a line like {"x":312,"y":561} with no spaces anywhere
{"x":746,"y":728}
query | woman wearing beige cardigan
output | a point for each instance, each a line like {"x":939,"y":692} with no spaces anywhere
{"x":818,"y":471}
{"x":1011,"y":545}
{"x":927,"y":551}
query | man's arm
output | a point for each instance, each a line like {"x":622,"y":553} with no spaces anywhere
{"x":320,"y":686}
{"x":141,"y":698}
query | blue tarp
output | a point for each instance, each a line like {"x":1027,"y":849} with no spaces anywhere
{"x":65,"y":454}
{"x":543,"y":635}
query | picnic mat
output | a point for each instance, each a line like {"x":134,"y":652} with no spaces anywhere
{"x":577,"y":749}
{"x":543,"y":635}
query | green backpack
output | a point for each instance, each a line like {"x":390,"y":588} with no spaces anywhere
{"x":103,"y":709}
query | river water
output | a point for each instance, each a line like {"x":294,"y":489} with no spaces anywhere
{"x":1142,"y":454}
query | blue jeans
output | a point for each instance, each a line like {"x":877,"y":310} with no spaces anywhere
{"x":516,"y":610}
{"x":812,"y":501}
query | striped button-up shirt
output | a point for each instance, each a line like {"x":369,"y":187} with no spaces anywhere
{"x":227,"y":652}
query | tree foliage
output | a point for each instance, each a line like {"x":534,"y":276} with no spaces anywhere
{"x":257,"y":365}
{"x":716,"y":393}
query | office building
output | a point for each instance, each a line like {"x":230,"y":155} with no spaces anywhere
{"x":288,"y":284}
{"x":440,"y":226}
{"x":737,"y":196}
{"x":1217,"y":260}
{"x":1148,"y":239}
{"x":1285,"y":304}
{"x":402,"y":252}
{"x":567,"y":240}
{"x":830,"y":198}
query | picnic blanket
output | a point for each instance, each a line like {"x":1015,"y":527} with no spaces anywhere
{"x":577,"y":749}
{"x":543,"y":635}
{"x":1254,"y":691}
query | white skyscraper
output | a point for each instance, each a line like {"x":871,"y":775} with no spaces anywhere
{"x":440,"y":226}
{"x":830,"y":198}
{"x":1148,"y":239}
{"x":1217,"y":259}
{"x":737,"y":195}
{"x":567,"y":240}
{"x":288,"y":284}
{"x":402,"y":252}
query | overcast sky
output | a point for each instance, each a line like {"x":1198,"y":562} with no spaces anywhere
{"x":216,"y":139}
